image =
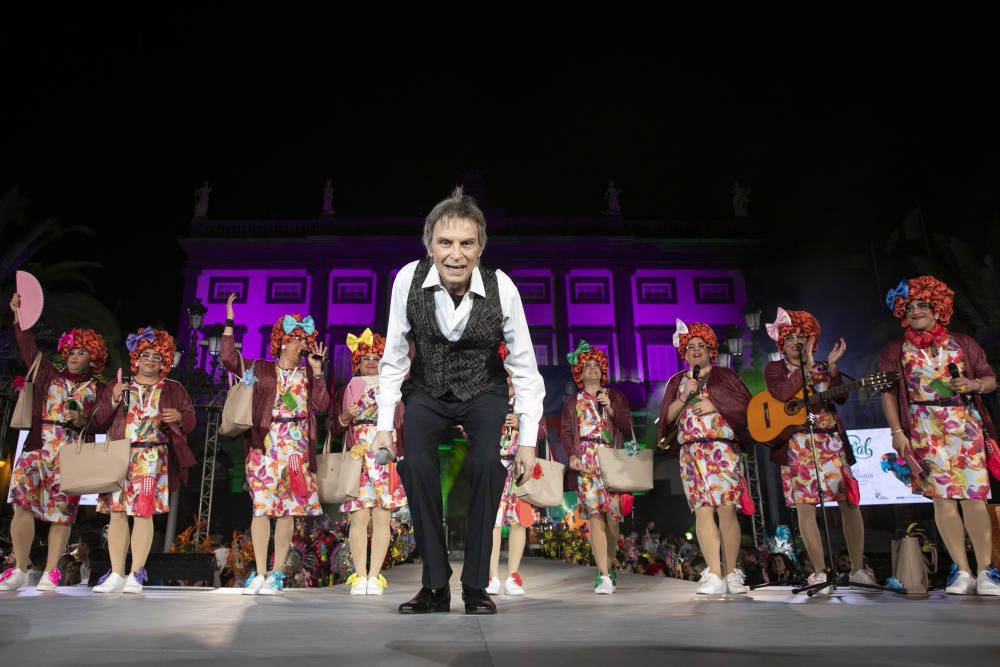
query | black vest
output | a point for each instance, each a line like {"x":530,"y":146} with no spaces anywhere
{"x":470,"y":365}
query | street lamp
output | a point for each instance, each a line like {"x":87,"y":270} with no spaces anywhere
{"x":723,"y":359}
{"x":734,"y":343}
{"x":196,"y":317}
{"x":751,"y":314}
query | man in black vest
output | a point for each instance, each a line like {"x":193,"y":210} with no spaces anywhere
{"x":456,"y":313}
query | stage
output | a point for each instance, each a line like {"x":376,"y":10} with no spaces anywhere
{"x":648,"y":621}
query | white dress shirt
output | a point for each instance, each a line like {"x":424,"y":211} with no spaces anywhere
{"x":529,"y":389}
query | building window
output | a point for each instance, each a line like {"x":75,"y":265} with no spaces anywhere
{"x":286,"y":290}
{"x":219,"y":288}
{"x":533,"y":290}
{"x":714,"y":290}
{"x":656,"y":290}
{"x":541,"y":355}
{"x":589,"y":290}
{"x":661,"y":362}
{"x":352,"y":290}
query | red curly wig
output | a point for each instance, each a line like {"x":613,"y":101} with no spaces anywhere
{"x":163,"y":344}
{"x":89,"y":341}
{"x":704,"y":332}
{"x":377,"y":347}
{"x":594,"y":355}
{"x":279,"y":337}
{"x":802,"y":323}
{"x":931,"y":290}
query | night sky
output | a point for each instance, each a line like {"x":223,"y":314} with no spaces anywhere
{"x":841,"y":123}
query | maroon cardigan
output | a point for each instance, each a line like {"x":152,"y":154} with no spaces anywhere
{"x":621,"y":422}
{"x":173,"y":396}
{"x":46,"y":374}
{"x":729,"y":396}
{"x":263,"y":397}
{"x":976,"y":366}
{"x":783,"y":388}
{"x":337,"y":407}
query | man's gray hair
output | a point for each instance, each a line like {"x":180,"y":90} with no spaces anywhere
{"x":458,"y":206}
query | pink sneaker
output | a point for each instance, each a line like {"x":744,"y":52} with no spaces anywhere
{"x":49,"y":580}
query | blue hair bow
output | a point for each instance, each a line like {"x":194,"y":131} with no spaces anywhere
{"x":901,"y":290}
{"x":133,"y":340}
{"x":307,"y":324}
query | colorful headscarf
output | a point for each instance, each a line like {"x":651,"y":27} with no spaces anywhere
{"x":88,"y":340}
{"x":684,"y":333}
{"x":291,"y":326}
{"x":151,"y":339}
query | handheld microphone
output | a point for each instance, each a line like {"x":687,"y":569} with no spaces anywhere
{"x":305,"y":353}
{"x":600,"y":406}
{"x":695,"y":374}
{"x":509,"y":430}
{"x":953,"y":370}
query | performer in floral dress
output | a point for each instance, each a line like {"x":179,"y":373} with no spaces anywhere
{"x":595,"y":417}
{"x":156,"y":415}
{"x":941,"y":421}
{"x":514,"y":513}
{"x":380,"y":490}
{"x":280,"y":447}
{"x":709,"y":412}
{"x":796,"y":332}
{"x":62,"y":401}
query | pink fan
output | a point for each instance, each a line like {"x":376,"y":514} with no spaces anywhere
{"x":32,"y":300}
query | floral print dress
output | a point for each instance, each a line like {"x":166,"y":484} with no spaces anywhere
{"x":147,"y":486}
{"x":710,"y":467}
{"x":946,"y":439}
{"x":798,"y":477}
{"x":272,"y":471}
{"x":594,"y":432}
{"x":35,"y":478}
{"x":512,"y":510}
{"x":380,"y":485}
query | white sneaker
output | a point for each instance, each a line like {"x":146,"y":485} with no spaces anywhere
{"x":963,"y":584}
{"x":514,"y":585}
{"x":494,"y":587}
{"x":376,"y":585}
{"x":735,"y":582}
{"x":12,"y":579}
{"x":253,"y":585}
{"x":359,"y":584}
{"x":605,"y":587}
{"x":711,"y":583}
{"x":113,"y":584}
{"x":862,"y":577}
{"x":49,"y":580}
{"x":819,"y":578}
{"x":987,"y":585}
{"x":274,"y":584}
{"x":132,"y":585}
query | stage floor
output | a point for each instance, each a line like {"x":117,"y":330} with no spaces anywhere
{"x":560,"y":622}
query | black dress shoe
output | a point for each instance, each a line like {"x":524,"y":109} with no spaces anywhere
{"x":477,"y":601}
{"x":428,"y":601}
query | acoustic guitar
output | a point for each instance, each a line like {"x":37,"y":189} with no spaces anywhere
{"x":771,"y":421}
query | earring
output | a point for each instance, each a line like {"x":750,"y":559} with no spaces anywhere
{"x":283,"y":347}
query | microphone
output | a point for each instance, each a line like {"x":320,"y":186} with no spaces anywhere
{"x":509,"y":430}
{"x":383,"y":456}
{"x":305,"y":353}
{"x":695,"y":374}
{"x":600,"y":406}
{"x":953,"y":370}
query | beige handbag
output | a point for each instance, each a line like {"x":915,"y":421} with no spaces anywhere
{"x":546,"y":490}
{"x":93,"y":467}
{"x":338,"y":474}
{"x":624,"y":472}
{"x":237,"y":413}
{"x":910,"y":567}
{"x":21,"y":417}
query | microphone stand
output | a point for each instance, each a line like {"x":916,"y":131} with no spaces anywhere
{"x":830,"y":582}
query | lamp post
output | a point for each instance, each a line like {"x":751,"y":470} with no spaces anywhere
{"x":196,"y":317}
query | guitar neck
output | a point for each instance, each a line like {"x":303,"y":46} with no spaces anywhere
{"x":837,"y":392}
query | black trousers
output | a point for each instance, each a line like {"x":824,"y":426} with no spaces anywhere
{"x":426,"y":421}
